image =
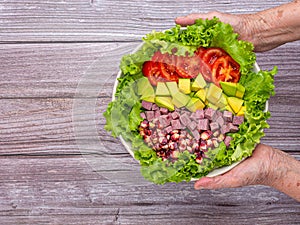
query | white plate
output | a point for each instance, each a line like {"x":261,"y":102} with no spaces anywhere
{"x":214,"y":172}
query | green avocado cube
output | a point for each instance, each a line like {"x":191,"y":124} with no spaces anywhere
{"x":161,"y":89}
{"x":172,"y":86}
{"x":195,"y":104}
{"x":180,"y":99}
{"x":235,"y":103}
{"x":201,"y":94}
{"x":229,"y":88}
{"x":240,"y":91}
{"x":214,"y":93}
{"x":165,"y":102}
{"x":143,"y":84}
{"x":222,"y":101}
{"x":184,"y":85}
{"x":198,"y":83}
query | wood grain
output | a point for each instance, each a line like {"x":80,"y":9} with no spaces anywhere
{"x":103,"y":20}
{"x":59,"y":166}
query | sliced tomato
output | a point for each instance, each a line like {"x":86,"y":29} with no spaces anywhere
{"x":205,"y":70}
{"x":212,"y":54}
{"x":152,"y":70}
{"x":188,"y":67}
{"x":225,"y":69}
{"x":200,"y":51}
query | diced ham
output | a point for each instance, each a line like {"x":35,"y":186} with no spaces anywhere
{"x":149,"y":115}
{"x":209,"y":113}
{"x":147,"y":105}
{"x":176,"y":125}
{"x":143,"y":115}
{"x":225,"y":129}
{"x":192,"y":125}
{"x":220,"y":120}
{"x":227,"y":115}
{"x":199,"y":114}
{"x":214,"y":126}
{"x":175,"y":115}
{"x":185,"y":119}
{"x":157,"y":114}
{"x":227,"y":140}
{"x":203,"y":124}
{"x":237,"y":120}
{"x":232,"y":128}
{"x":164,"y":111}
{"x":164,"y":120}
{"x":168,"y":129}
{"x":196,"y":134}
{"x":155,"y":107}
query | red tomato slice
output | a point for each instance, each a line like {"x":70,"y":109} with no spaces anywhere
{"x":152,"y":70}
{"x":188,"y":67}
{"x":200,"y":51}
{"x":212,"y":54}
{"x":167,"y":66}
{"x":225,"y":69}
{"x":205,"y":70}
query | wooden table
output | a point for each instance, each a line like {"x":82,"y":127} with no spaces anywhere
{"x":52,"y":166}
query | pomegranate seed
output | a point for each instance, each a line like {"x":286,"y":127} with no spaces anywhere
{"x":195,"y":147}
{"x":206,"y":135}
{"x":162,"y":140}
{"x":174,"y":154}
{"x":151,"y":125}
{"x":203,"y":146}
{"x":221,"y":137}
{"x":172,"y":145}
{"x":182,"y":147}
{"x":189,"y":148}
{"x":175,"y":131}
{"x":199,"y":160}
{"x":175,"y":137}
{"x":216,"y":133}
{"x":165,"y":146}
{"x":209,"y":143}
{"x":215,"y":143}
{"x":144,"y":124}
{"x":142,"y":132}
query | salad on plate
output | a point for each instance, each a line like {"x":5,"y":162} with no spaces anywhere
{"x":189,"y":101}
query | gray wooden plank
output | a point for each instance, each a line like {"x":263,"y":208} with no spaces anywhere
{"x":61,"y":190}
{"x":103,"y":20}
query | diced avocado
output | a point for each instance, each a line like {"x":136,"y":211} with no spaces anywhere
{"x":235,"y":103}
{"x":143,"y":84}
{"x":173,"y":88}
{"x":213,"y":106}
{"x":242,"y":111}
{"x":214,"y":93}
{"x":148,"y":94}
{"x":201,"y":94}
{"x":222,"y":101}
{"x":229,"y":88}
{"x":228,"y":108}
{"x":180,"y":99}
{"x":184,"y":85}
{"x":161,"y":89}
{"x":165,"y":102}
{"x":195,"y":104}
{"x":198,"y":83}
{"x":240,"y":91}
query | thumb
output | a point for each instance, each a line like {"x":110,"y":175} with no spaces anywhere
{"x":221,"y":181}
